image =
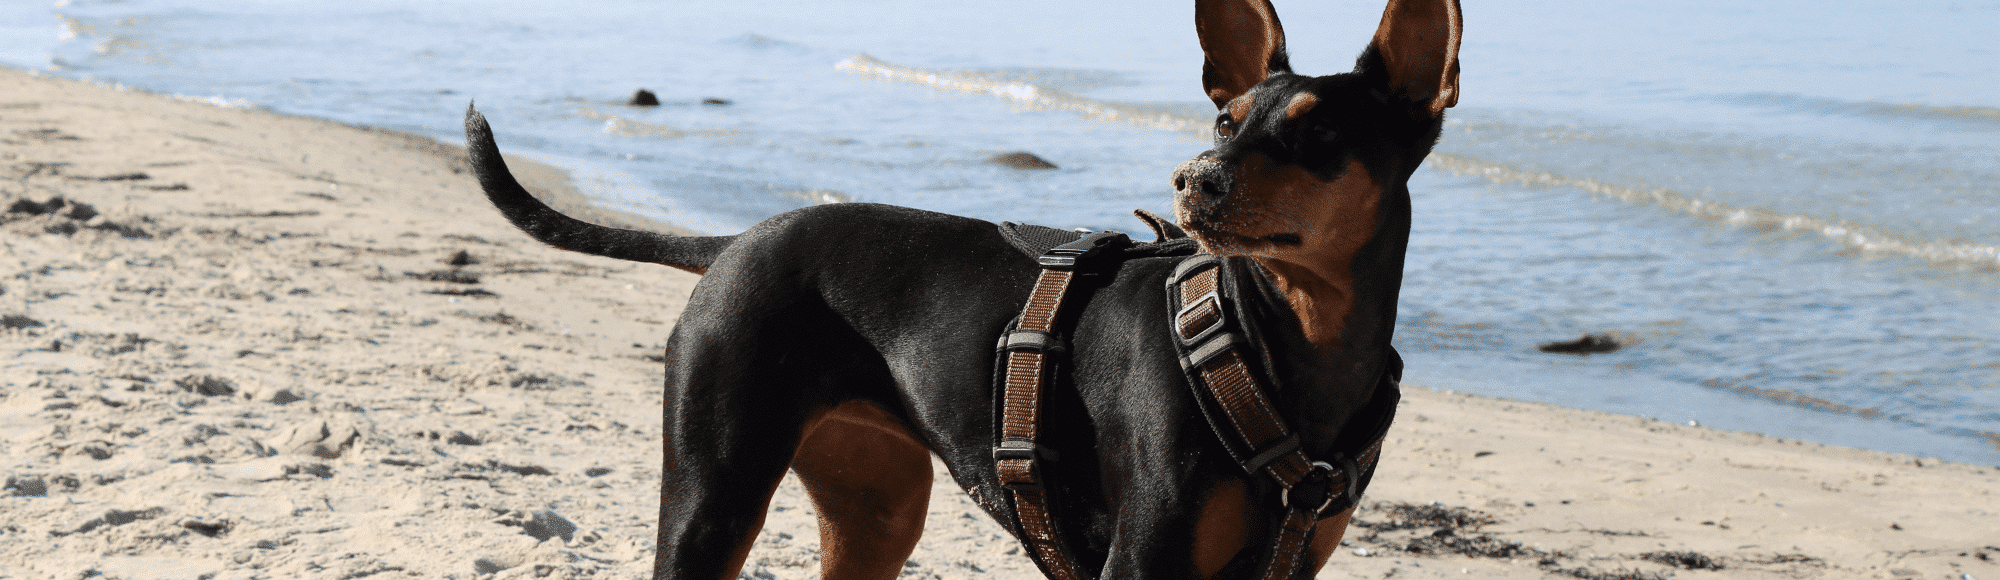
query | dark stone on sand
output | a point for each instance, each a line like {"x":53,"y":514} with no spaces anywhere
{"x":80,"y":211}
{"x":474,"y":292}
{"x":206,"y":528}
{"x":283,"y":396}
{"x":206,"y":385}
{"x":30,"y":207}
{"x":14,"y":321}
{"x":485,"y":566}
{"x":1021,"y":160}
{"x":76,"y":210}
{"x":25,"y":487}
{"x":546,"y":524}
{"x":1686,"y":560}
{"x":644,"y":98}
{"x":462,"y":258}
{"x":453,"y":276}
{"x":1588,"y":344}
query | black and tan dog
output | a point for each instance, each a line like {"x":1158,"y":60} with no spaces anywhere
{"x":850,"y":342}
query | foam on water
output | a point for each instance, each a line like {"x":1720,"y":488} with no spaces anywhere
{"x":1027,"y":93}
{"x":1196,"y":120}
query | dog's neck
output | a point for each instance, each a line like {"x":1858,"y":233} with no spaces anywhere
{"x":1346,"y":301}
{"x":1321,"y":297}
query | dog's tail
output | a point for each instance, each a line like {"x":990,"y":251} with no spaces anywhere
{"x":691,"y":253}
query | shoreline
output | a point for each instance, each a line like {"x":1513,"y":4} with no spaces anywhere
{"x":252,"y":357}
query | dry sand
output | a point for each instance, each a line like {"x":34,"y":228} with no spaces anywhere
{"x":240,"y":349}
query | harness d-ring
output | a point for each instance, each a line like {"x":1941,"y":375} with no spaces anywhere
{"x":1349,"y":471}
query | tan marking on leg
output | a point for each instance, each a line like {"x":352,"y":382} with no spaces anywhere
{"x":870,"y":480}
{"x":1223,"y":528}
{"x":1326,"y":539}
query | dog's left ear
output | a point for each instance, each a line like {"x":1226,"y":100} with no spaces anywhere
{"x":1241,"y":45}
{"x":1418,"y":45}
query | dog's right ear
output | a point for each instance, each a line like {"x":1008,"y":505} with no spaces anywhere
{"x":1241,"y":43}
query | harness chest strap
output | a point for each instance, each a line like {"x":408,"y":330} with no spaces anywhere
{"x":1210,"y":355}
{"x":1029,"y":348}
{"x":1213,"y":359}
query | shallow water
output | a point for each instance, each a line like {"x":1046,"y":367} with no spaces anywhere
{"x":1788,"y":209}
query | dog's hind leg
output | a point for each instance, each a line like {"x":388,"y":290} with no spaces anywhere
{"x":733,"y":416}
{"x":712,"y":508}
{"x":870,"y":480}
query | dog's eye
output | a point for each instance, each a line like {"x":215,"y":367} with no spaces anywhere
{"x":1224,"y":126}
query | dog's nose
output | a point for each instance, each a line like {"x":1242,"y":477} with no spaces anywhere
{"x":1201,"y":178}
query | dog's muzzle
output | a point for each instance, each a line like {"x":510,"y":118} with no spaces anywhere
{"x":1202,"y":181}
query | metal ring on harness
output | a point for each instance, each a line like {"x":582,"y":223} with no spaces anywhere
{"x":1350,"y":472}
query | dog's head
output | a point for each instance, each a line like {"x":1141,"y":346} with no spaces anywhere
{"x":1307,"y":176}
{"x":1301,"y":165}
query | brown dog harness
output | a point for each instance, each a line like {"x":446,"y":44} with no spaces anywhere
{"x":1216,"y":355}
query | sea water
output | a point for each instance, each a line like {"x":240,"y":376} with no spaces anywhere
{"x":1787,"y":210}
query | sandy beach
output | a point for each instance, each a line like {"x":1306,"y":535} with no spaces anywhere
{"x":245,"y":345}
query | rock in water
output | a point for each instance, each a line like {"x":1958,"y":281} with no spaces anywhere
{"x":1021,"y":160}
{"x":1586,"y":345}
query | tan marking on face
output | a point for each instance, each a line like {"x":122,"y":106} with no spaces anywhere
{"x":1223,"y":528}
{"x":1300,"y":104}
{"x":1239,"y":109}
{"x":1332,"y":220}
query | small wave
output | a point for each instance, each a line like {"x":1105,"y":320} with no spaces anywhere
{"x":817,"y":196}
{"x":1858,"y":237}
{"x":628,"y":127}
{"x":1805,"y":401}
{"x":1007,"y":85}
{"x":761,"y":42}
{"x":1982,"y":117}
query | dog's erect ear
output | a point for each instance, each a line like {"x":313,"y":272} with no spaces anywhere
{"x":1242,"y":44}
{"x":1418,"y":43}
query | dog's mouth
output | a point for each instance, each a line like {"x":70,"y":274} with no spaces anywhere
{"x":1221,"y":240}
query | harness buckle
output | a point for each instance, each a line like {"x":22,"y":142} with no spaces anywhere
{"x":1016,"y":448}
{"x":1072,"y":256}
{"x":1213,"y":301}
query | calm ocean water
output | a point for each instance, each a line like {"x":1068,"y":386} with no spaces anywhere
{"x":1788,"y":208}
